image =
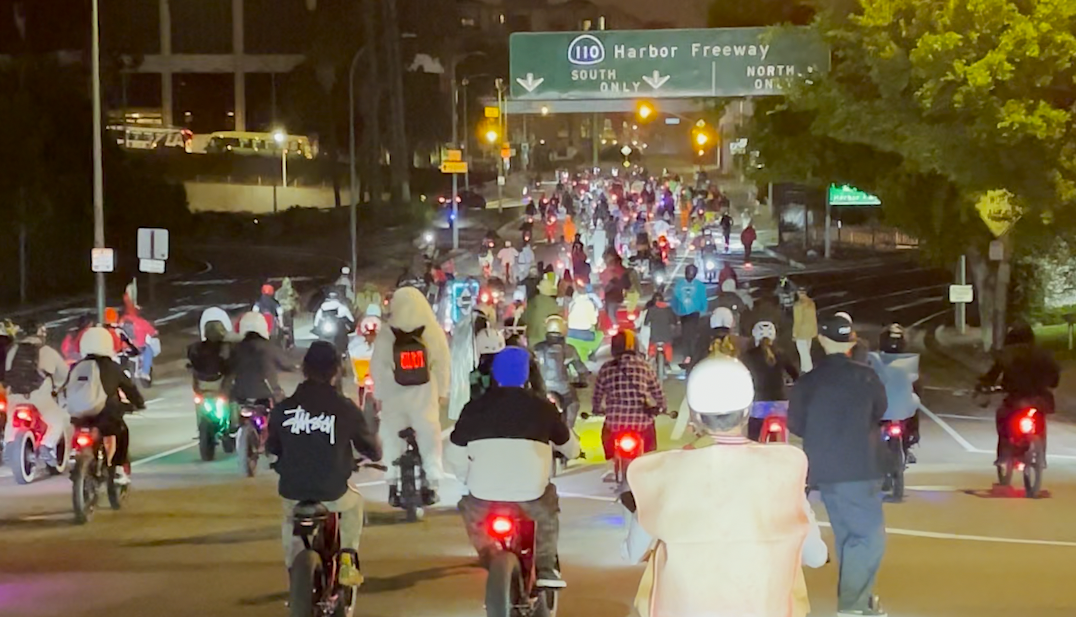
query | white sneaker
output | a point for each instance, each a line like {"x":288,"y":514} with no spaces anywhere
{"x":121,"y":478}
{"x":552,"y":582}
{"x":874,"y":610}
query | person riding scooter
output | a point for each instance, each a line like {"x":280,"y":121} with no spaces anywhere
{"x":562,"y":368}
{"x":254,"y":364}
{"x":34,"y":372}
{"x":502,"y":447}
{"x":899,"y":372}
{"x":208,"y":358}
{"x":1027,"y":374}
{"x":268,"y":306}
{"x":333,"y":321}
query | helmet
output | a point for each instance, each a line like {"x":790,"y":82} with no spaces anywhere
{"x":267,"y":290}
{"x":111,"y":315}
{"x":720,"y":385}
{"x":97,"y":341}
{"x":489,"y":341}
{"x":555,"y":326}
{"x":332,"y":294}
{"x":892,"y":339}
{"x":511,"y":367}
{"x":370,"y":324}
{"x":722,"y":317}
{"x":345,"y":270}
{"x":764,"y":330}
{"x":254,"y":322}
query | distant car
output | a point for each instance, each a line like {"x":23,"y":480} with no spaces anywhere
{"x":468,"y":200}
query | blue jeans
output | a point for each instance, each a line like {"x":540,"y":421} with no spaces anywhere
{"x":147,"y":360}
{"x":855,"y":512}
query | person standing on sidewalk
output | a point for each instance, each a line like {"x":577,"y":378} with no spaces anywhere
{"x":747,"y":238}
{"x":804,"y":327}
{"x":836,"y":409}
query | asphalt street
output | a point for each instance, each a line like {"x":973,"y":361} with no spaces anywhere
{"x":198,"y":539}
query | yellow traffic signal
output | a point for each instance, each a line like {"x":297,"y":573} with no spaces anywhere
{"x":492,"y":136}
{"x":645,"y":111}
{"x":702,"y":138}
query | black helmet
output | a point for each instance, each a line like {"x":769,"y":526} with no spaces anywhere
{"x":892,"y":339}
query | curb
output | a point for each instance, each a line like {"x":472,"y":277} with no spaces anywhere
{"x":935,"y":346}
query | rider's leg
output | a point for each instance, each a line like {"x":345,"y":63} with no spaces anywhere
{"x":474,"y":512}
{"x":147,"y":360}
{"x":544,"y":511}
{"x":350,"y":508}
{"x":427,"y":425}
{"x":392,"y":422}
{"x":58,"y":423}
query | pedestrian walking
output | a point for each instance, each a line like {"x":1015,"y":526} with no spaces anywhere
{"x":747,"y":238}
{"x":836,"y":409}
{"x":804,"y":327}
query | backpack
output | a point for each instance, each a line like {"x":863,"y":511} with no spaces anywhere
{"x":409,"y":361}
{"x":84,"y":392}
{"x":24,"y":377}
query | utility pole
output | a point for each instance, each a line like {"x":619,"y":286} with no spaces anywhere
{"x":98,"y":170}
{"x":400,"y":163}
{"x":354,"y":191}
{"x":455,"y":144}
{"x":372,"y":107}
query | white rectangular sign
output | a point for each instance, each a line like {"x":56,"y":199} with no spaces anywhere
{"x":961,"y":294}
{"x":102,"y":260}
{"x":152,"y":243}
{"x":151,"y":266}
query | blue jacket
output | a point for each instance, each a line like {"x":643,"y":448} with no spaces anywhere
{"x":898,"y":372}
{"x":689,"y":297}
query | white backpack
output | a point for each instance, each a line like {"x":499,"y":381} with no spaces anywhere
{"x":84,"y":394}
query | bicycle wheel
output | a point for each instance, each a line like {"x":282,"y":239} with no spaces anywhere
{"x":305,"y":580}
{"x":83,"y":490}
{"x":502,"y":585}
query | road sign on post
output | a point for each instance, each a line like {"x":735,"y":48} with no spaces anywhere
{"x":629,"y":64}
{"x":153,"y":244}
{"x":102,"y":260}
{"x":961,"y":294}
{"x":493,"y":112}
{"x":845,"y":195}
{"x":453,"y":167}
{"x":151,"y":266}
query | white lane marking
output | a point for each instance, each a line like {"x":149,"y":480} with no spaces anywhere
{"x":948,"y":429}
{"x":894,"y":294}
{"x":955,"y":416}
{"x":933,"y":488}
{"x":206,"y":282}
{"x":584,"y":496}
{"x":931,"y":300}
{"x":929,"y":317}
{"x":160,"y":455}
{"x":968,"y":538}
{"x":154,"y":400}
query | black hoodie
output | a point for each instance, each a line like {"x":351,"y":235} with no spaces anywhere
{"x":313,"y":432}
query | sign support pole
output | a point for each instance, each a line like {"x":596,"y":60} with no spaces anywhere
{"x":594,"y":136}
{"x":98,"y":173}
{"x":455,"y":177}
{"x":829,"y":222}
{"x":961,"y":307}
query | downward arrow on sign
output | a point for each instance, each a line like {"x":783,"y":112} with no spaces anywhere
{"x":656,"y":79}
{"x":530,"y":83}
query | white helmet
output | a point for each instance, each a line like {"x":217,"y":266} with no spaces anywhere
{"x":720,"y":385}
{"x":254,"y":322}
{"x":722,"y":317}
{"x":370,"y":323}
{"x":373,"y":310}
{"x":764,"y":329}
{"x":489,"y":341}
{"x":728,"y":285}
{"x":97,"y":341}
{"x":345,"y":270}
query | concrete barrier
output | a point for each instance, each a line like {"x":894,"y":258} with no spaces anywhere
{"x":223,"y":197}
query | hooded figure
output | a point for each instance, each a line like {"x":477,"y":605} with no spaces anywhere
{"x":208,"y":358}
{"x":33,"y":372}
{"x":539,"y":308}
{"x":464,"y":361}
{"x":414,"y":406}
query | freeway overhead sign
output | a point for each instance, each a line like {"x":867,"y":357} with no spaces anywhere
{"x":618,"y":64}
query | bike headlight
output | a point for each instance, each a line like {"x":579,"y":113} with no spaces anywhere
{"x":710,"y":265}
{"x":328,"y":327}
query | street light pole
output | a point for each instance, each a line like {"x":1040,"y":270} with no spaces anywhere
{"x":501,"y":179}
{"x":466,"y":138}
{"x":98,"y":170}
{"x":455,"y":177}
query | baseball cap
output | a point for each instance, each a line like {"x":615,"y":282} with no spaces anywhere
{"x":837,"y":328}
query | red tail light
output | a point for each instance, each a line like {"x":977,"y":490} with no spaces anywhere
{"x":894,"y":430}
{"x":628,"y":444}
{"x":83,"y":440}
{"x":24,"y":414}
{"x":198,"y":399}
{"x":501,"y":526}
{"x":3,"y":406}
{"x":775,"y":426}
{"x":1026,"y":425}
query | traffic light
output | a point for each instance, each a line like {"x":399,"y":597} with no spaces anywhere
{"x":703,"y":139}
{"x":645,"y":111}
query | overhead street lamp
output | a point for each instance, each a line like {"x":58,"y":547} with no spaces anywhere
{"x":456,"y":59}
{"x":281,"y":139}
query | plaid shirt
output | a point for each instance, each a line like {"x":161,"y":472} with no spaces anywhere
{"x":628,"y":393}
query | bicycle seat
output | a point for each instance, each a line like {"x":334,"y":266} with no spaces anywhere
{"x":310,"y":510}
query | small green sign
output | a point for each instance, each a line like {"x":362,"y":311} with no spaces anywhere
{"x":660,"y":64}
{"x":845,"y":195}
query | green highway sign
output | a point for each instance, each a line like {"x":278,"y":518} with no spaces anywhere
{"x":626,"y":64}
{"x":845,"y":195}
